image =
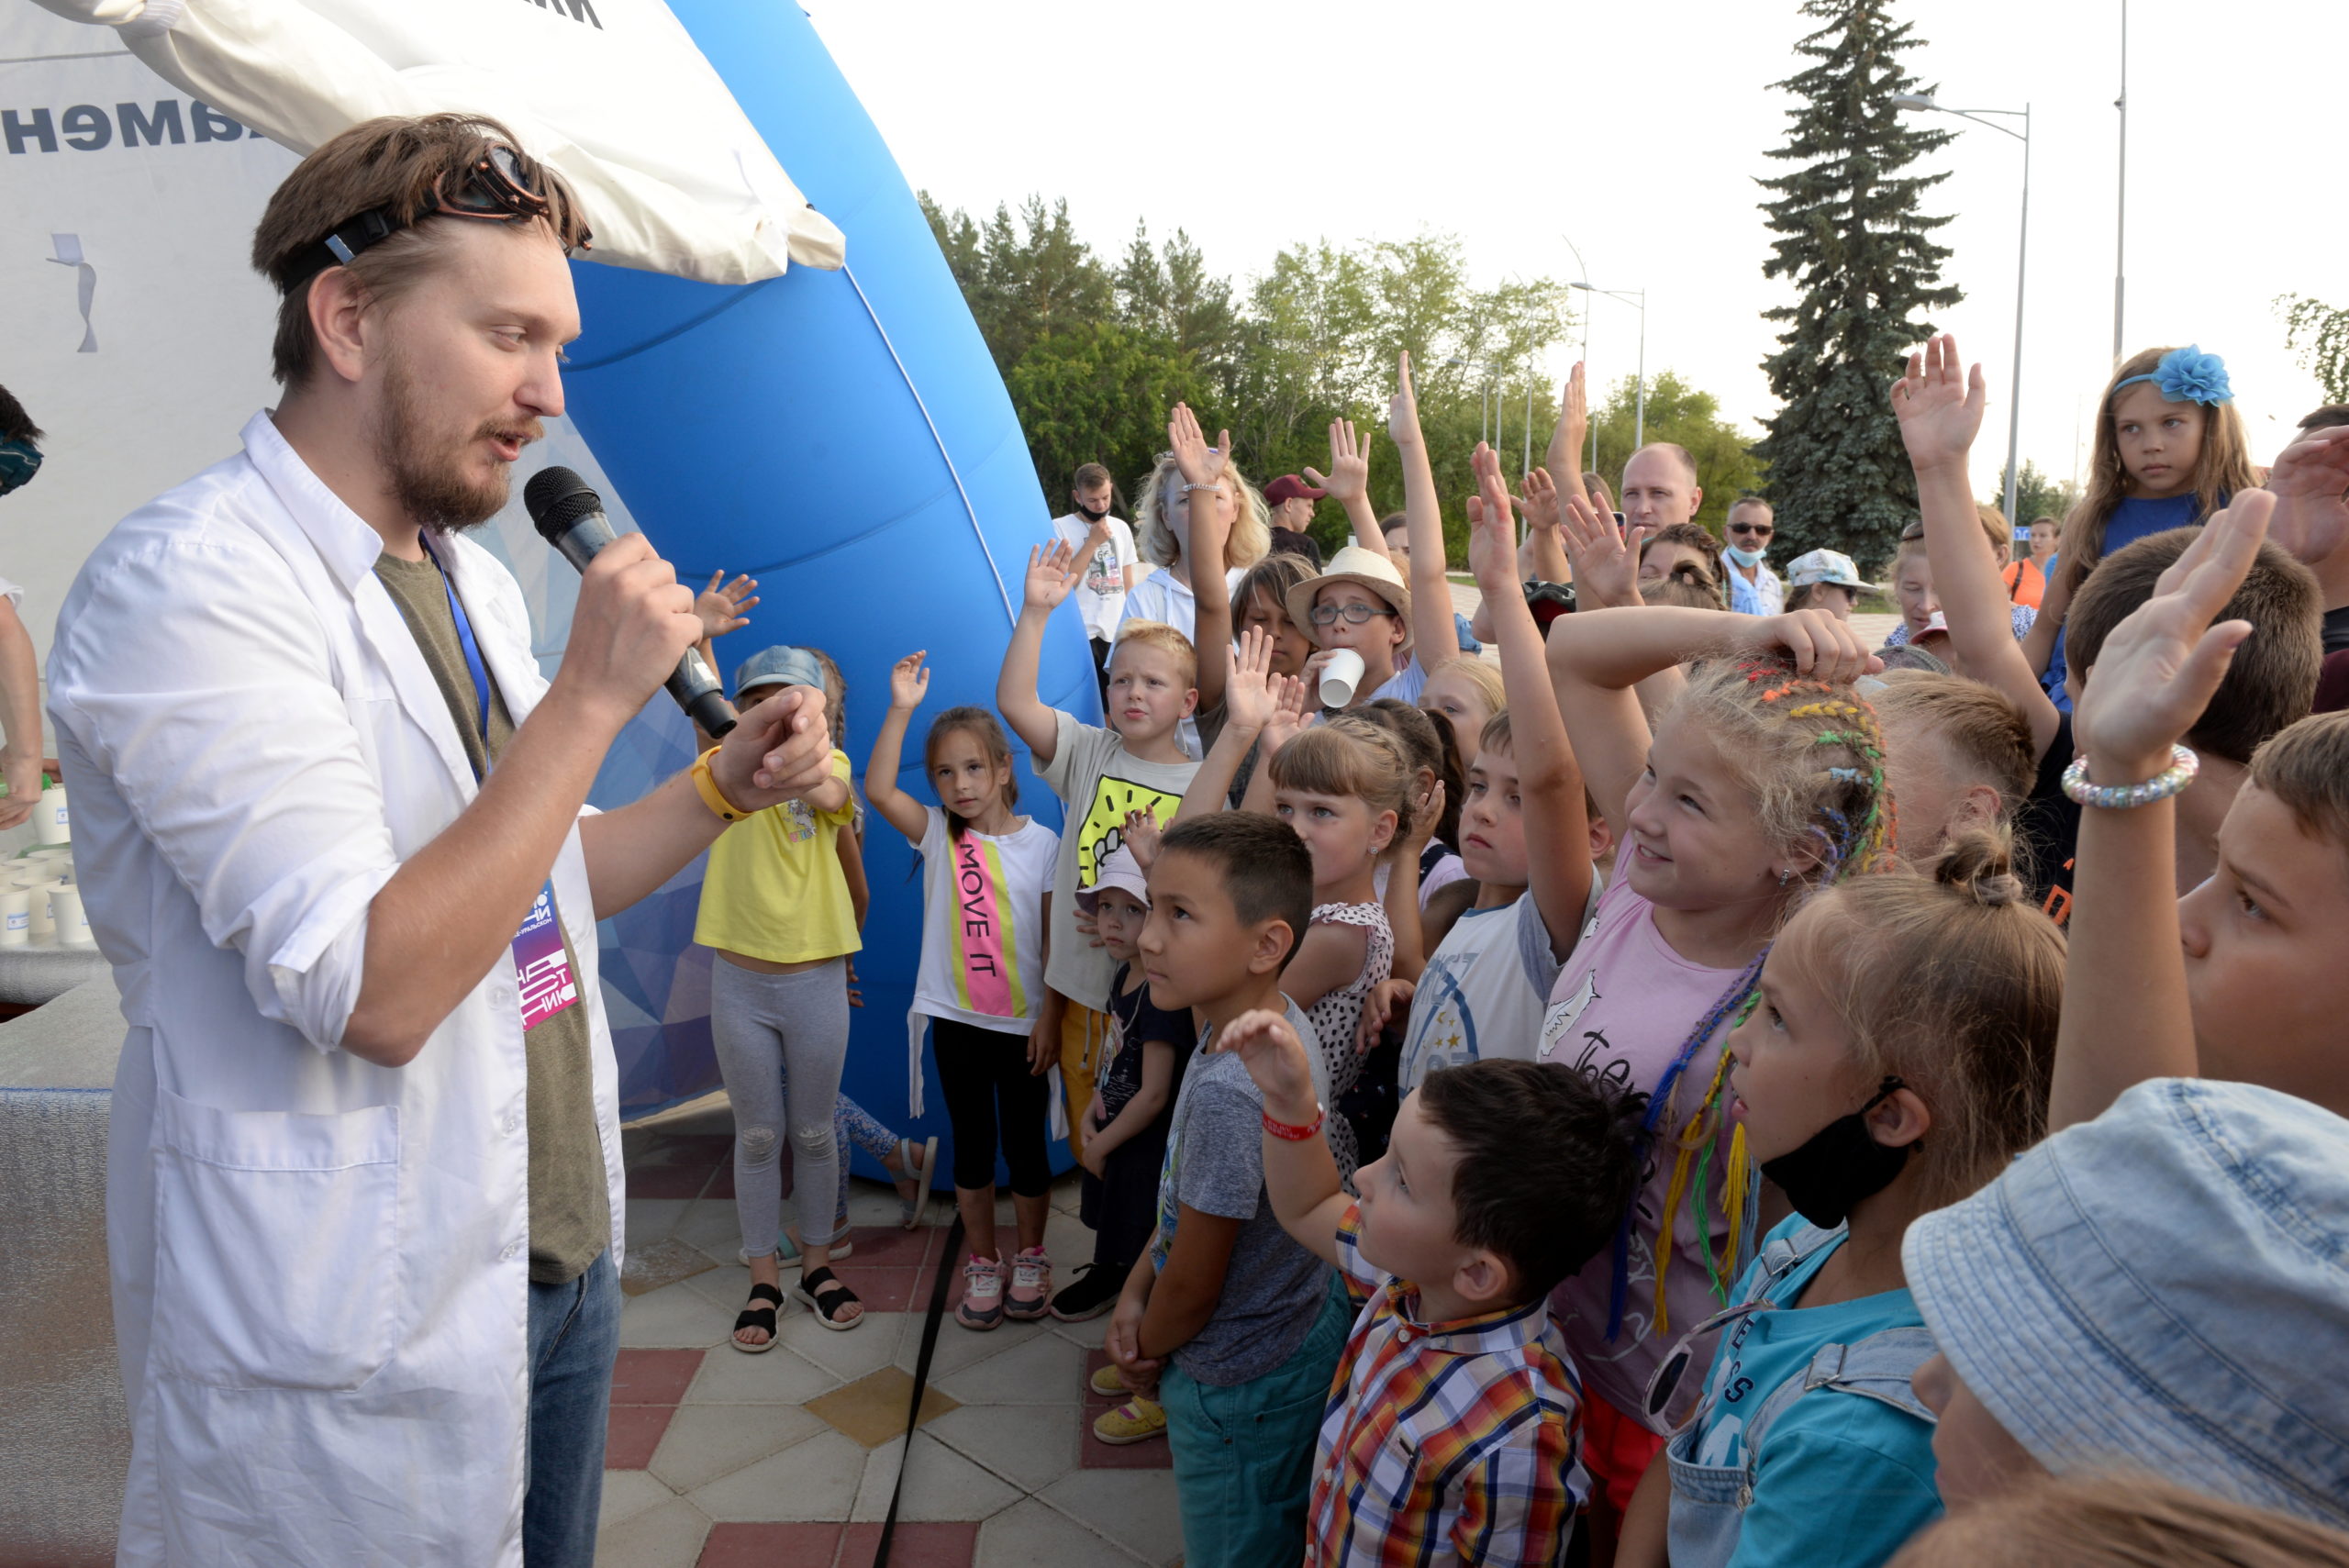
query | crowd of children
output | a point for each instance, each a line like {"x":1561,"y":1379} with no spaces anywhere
{"x":1699,"y":1090}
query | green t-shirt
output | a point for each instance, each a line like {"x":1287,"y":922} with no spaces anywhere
{"x":571,"y":1215}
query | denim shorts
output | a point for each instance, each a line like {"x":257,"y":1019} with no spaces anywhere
{"x":1243,"y":1454}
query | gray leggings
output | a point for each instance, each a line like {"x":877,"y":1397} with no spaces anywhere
{"x":771,"y":1029}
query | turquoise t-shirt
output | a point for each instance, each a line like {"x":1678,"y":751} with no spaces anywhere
{"x":1844,"y":1480}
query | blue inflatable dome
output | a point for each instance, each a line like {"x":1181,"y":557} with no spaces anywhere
{"x":844,"y":438}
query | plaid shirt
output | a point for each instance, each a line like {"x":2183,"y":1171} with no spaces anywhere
{"x":1446,"y":1443}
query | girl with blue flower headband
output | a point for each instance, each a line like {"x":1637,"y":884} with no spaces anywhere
{"x":2169,"y":452}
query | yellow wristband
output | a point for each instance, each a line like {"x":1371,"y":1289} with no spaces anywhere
{"x":711,"y":796}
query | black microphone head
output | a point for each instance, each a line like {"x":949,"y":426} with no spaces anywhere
{"x":557,"y":498}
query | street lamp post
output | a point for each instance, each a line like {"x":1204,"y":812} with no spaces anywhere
{"x":2022,"y":260}
{"x":2120,"y":204}
{"x":1639,"y":298}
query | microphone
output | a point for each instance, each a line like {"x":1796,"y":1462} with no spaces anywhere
{"x":569,"y":517}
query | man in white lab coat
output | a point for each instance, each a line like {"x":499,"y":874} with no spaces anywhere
{"x":365,"y":1192}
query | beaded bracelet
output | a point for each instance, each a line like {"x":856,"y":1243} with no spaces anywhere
{"x":2171,"y":779}
{"x":1214,"y":484}
{"x":1294,"y":1134}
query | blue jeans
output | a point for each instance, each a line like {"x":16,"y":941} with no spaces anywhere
{"x":1243,"y":1454}
{"x":574,"y":1339}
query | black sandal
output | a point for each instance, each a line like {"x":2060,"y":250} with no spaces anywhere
{"x":758,"y":1317}
{"x":825,"y":1293}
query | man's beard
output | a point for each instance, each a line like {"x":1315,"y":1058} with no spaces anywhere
{"x":428,"y":480}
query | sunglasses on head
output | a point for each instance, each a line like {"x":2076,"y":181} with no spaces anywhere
{"x":498,"y":185}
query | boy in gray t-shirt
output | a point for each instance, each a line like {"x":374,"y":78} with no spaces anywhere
{"x":1247,"y":1317}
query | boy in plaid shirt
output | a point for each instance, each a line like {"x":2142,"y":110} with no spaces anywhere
{"x":1453,"y":1433}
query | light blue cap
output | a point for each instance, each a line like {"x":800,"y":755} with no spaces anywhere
{"x":2163,"y":1288}
{"x":779,"y":666}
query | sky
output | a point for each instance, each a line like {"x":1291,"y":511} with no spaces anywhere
{"x":1634,"y":134}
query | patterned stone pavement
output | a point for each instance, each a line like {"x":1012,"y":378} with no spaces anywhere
{"x":786,"y":1458}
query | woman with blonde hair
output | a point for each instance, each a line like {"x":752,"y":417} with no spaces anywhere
{"x":1163,"y":532}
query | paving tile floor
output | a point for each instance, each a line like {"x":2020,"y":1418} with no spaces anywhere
{"x":722,"y":1459}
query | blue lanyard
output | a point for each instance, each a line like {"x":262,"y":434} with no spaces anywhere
{"x":474,"y":664}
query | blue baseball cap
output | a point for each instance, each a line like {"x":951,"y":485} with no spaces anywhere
{"x":777,"y":667}
{"x":2154,"y":1290}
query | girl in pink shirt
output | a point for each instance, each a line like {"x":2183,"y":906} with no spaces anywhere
{"x":1764,"y":780}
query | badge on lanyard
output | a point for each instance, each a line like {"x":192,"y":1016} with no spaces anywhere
{"x":542,"y":968}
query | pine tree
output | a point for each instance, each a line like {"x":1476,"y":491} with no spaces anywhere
{"x":1854,"y":240}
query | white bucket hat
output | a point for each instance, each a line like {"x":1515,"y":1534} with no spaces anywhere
{"x":1354,"y":564}
{"x":2166,"y":1288}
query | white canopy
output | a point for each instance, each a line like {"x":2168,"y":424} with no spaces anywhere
{"x":612,"y":93}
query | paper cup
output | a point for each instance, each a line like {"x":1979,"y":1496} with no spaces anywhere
{"x":49,"y":821}
{"x":43,"y":927}
{"x":15,"y":918}
{"x":73,"y":922}
{"x":1339,"y":676}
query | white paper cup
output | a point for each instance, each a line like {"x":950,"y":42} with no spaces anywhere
{"x":1339,"y":676}
{"x":43,"y":927}
{"x":15,"y":918}
{"x":49,"y":820}
{"x":73,"y":922}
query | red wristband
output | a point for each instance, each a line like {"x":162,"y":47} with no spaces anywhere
{"x":1294,"y":1134}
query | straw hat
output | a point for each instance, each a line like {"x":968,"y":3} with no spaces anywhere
{"x":1354,"y":564}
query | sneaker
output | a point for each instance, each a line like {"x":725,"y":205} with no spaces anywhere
{"x":1136,"y":1420}
{"x":1032,"y":1285}
{"x":1093,"y":1292}
{"x":1109,"y":1384}
{"x":982,"y":1307}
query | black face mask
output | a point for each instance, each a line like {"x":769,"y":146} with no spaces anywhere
{"x":1091,"y":513}
{"x":1839,"y":1165}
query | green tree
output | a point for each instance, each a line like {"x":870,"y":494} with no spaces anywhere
{"x":1098,"y":393}
{"x":1855,"y":241}
{"x":2318,"y":333}
{"x":1726,"y":467}
{"x":2036,"y":495}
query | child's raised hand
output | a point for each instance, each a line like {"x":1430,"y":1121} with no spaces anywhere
{"x":1939,"y":405}
{"x":1386,"y":999}
{"x":1248,"y":698}
{"x":2159,"y":667}
{"x":1200,"y":464}
{"x":1349,"y":474}
{"x":1542,"y":503}
{"x":1052,"y":572}
{"x":908,"y":682}
{"x":1605,"y":561}
{"x":722,"y":610}
{"x":2310,"y":481}
{"x":1403,"y":411}
{"x":1088,"y":928}
{"x":1573,"y":433}
{"x":1823,"y":647}
{"x":1143,"y":835}
{"x":1289,"y":701}
{"x":1492,"y":538}
{"x":1268,"y":1047}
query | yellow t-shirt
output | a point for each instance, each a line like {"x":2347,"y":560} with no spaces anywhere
{"x":775,"y":889}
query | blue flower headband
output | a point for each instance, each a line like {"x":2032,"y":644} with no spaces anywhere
{"x":2188,"y":375}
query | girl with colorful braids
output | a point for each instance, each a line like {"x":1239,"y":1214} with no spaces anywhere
{"x":1762,"y":781}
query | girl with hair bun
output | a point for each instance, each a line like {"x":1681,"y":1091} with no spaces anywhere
{"x":1895,"y":1056}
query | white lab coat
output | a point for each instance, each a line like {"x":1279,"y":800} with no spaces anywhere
{"x":320,"y":1266}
